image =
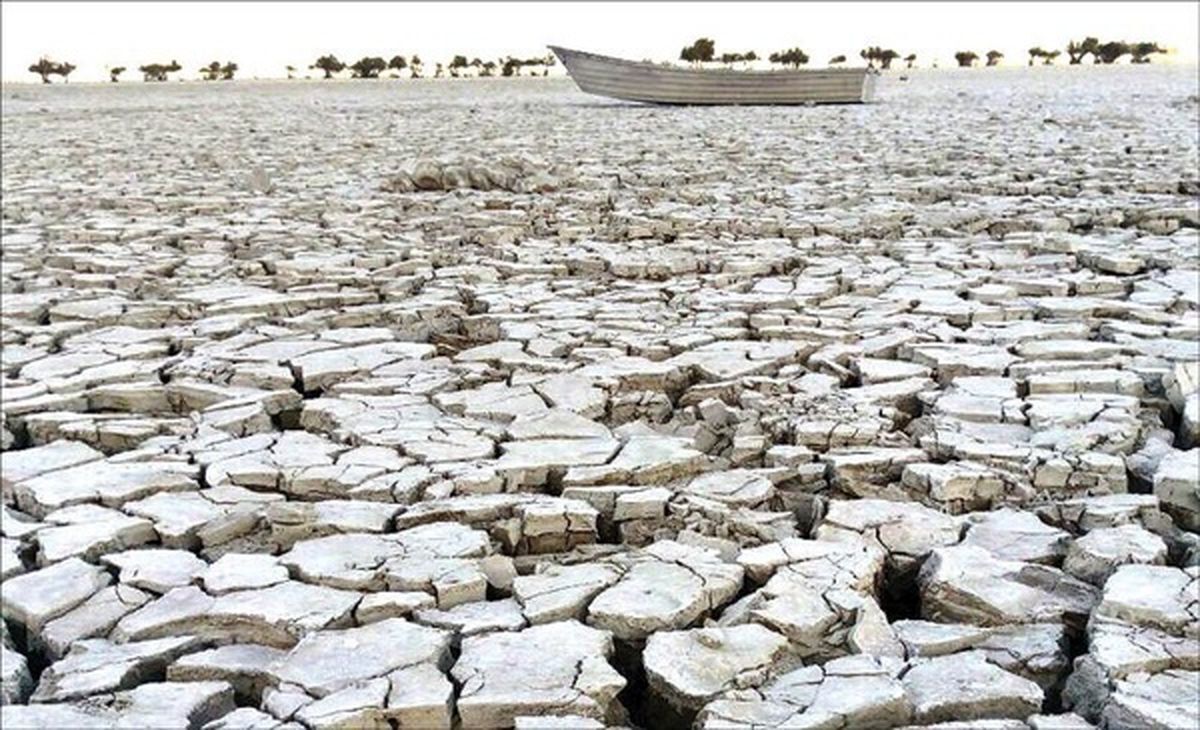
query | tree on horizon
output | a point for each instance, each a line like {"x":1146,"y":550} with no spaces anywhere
{"x":1141,"y":52}
{"x":701,"y":51}
{"x":1110,"y":52}
{"x":793,"y":57}
{"x":47,"y":68}
{"x":1074,"y":53}
{"x":329,"y":64}
{"x":1077,"y":50}
{"x":212,"y":71}
{"x":44,"y":68}
{"x":1049,"y":56}
{"x":1035,"y":53}
{"x":837,"y":59}
{"x":414,"y":66}
{"x":884,"y":56}
{"x":511,"y":66}
{"x":228,"y":70}
{"x":731,"y":58}
{"x":291,"y":71}
{"x":457,"y":64}
{"x":910,"y":59}
{"x":993,"y":57}
{"x":398,"y":63}
{"x":114,"y":72}
{"x":966,"y":59}
{"x":367,"y":67}
{"x":158,"y":71}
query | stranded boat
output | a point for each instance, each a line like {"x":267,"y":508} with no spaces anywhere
{"x":663,"y":84}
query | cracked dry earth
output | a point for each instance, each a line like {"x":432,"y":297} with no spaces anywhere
{"x":488,"y":404}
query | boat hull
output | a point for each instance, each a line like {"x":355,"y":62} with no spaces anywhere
{"x":658,"y":84}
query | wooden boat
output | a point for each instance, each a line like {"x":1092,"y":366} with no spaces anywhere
{"x":663,"y":84}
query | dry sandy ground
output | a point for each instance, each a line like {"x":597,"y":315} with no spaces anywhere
{"x":483,"y":403}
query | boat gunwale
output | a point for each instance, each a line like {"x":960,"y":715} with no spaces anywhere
{"x":560,"y":51}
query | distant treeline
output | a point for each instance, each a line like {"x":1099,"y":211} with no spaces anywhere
{"x":1106,"y":53}
{"x":370,"y":67}
{"x":367,"y":67}
{"x":702,"y":51}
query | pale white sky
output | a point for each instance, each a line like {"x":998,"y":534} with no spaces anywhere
{"x":263,"y":38}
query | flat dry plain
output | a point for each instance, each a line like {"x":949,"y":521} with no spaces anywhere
{"x":484,"y":403}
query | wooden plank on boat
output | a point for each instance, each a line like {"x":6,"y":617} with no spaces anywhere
{"x":662,"y":84}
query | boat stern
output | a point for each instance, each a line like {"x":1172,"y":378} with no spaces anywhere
{"x":870,"y":79}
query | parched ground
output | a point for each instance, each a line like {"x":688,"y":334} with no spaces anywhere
{"x":484,"y":403}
